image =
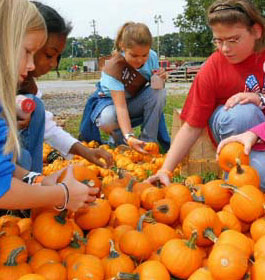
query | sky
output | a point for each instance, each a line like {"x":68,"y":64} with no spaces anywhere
{"x":109,"y":15}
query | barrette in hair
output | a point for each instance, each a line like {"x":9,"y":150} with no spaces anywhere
{"x":223,"y":7}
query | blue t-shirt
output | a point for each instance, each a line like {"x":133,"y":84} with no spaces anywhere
{"x":7,"y":167}
{"x":109,"y":83}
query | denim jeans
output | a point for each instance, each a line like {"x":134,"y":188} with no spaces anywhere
{"x":31,"y":139}
{"x":146,"y":110}
{"x":235,"y":121}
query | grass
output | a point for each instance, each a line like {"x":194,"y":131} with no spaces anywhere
{"x":173,"y":101}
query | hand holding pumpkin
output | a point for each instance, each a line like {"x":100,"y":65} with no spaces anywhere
{"x":248,"y":139}
{"x":80,"y":195}
{"x":94,"y":156}
{"x":137,"y":145}
{"x":162,"y":176}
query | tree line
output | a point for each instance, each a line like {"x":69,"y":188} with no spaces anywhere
{"x":193,"y":36}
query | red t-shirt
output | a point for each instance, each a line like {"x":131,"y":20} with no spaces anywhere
{"x":216,"y":82}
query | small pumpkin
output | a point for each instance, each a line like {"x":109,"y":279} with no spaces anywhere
{"x":52,"y":271}
{"x":257,"y":228}
{"x":126,"y":214}
{"x":32,"y":276}
{"x":229,"y":153}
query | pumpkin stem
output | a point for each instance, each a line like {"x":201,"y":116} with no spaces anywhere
{"x":61,"y":217}
{"x":149,"y":218}
{"x":113,"y":253}
{"x":208,"y":233}
{"x":74,"y":243}
{"x":191,"y":243}
{"x":239,"y":169}
{"x":198,"y":198}
{"x":163,"y":208}
{"x":140,"y":223}
{"x":89,"y":183}
{"x":129,"y":187}
{"x":123,"y":275}
{"x":235,"y":189}
{"x":11,"y":260}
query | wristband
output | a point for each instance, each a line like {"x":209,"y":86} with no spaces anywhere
{"x":66,"y":197}
{"x":165,"y":171}
{"x":127,"y":136}
{"x":33,"y":178}
{"x":262,"y":100}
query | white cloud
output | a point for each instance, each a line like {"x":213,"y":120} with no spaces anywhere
{"x":111,"y":14}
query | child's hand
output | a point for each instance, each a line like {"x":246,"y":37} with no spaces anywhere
{"x":137,"y":145}
{"x":161,"y":73}
{"x":94,"y":155}
{"x":242,"y":98}
{"x":248,"y":139}
{"x":80,"y":195}
{"x":160,"y":176}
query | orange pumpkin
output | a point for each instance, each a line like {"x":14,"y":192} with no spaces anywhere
{"x":53,"y":230}
{"x":241,"y":175}
{"x":257,"y":229}
{"x":179,"y":193}
{"x":126,"y":214}
{"x":166,"y":211}
{"x":229,"y":153}
{"x":182,"y":257}
{"x":229,"y":221}
{"x":11,"y":270}
{"x":201,"y":274}
{"x":227,"y":262}
{"x":205,"y":222}
{"x":187,"y":207}
{"x":52,"y":271}
{"x":32,"y":276}
{"x":259,"y":248}
{"x":258,"y":269}
{"x":84,"y":265}
{"x":151,"y":147}
{"x":116,"y":262}
{"x":94,"y":216}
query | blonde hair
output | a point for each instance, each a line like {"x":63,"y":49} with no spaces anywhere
{"x":132,"y":34}
{"x":237,"y":11}
{"x":17,"y":17}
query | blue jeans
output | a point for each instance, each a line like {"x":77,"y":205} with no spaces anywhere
{"x":146,"y":109}
{"x":235,"y":121}
{"x":31,"y":139}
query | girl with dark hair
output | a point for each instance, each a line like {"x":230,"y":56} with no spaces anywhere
{"x":227,"y":95}
{"x":40,"y":126}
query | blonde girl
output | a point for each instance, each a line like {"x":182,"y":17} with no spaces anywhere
{"x":22,"y":33}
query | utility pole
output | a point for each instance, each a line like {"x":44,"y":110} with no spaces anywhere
{"x":158,"y":19}
{"x":93,"y":25}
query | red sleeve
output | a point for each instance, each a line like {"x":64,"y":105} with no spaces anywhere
{"x":200,"y":102}
{"x":259,"y":130}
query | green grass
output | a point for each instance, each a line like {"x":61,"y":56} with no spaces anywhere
{"x":173,"y":101}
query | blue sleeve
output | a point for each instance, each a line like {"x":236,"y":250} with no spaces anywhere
{"x":7,"y":167}
{"x":109,"y":83}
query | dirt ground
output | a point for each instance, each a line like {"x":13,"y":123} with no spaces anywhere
{"x":66,"y":98}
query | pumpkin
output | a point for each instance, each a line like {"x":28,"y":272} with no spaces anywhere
{"x":9,"y":228}
{"x":166,"y":211}
{"x":241,"y":175}
{"x":97,"y":214}
{"x":182,"y":257}
{"x":193,"y":180}
{"x":11,"y":270}
{"x":205,"y":222}
{"x":126,"y":214}
{"x":214,"y":195}
{"x":135,"y":243}
{"x":98,"y":242}
{"x":119,"y":196}
{"x":116,"y":262}
{"x":158,"y":234}
{"x":247,"y":203}
{"x":236,"y":239}
{"x":43,"y":256}
{"x":229,"y":221}
{"x":8,"y":244}
{"x":151,"y":195}
{"x":32,"y":276}
{"x":229,"y":153}
{"x":151,"y":147}
{"x":84,"y":265}
{"x":187,"y":207}
{"x":257,"y":229}
{"x":227,"y":262}
{"x":53,"y":230}
{"x":201,"y":274}
{"x":83,"y":174}
{"x":118,"y":232}
{"x":258,"y":269}
{"x":148,"y":270}
{"x":33,"y":246}
{"x":139,"y":187}
{"x":24,"y":224}
{"x":52,"y":271}
{"x":77,"y":245}
{"x":179,"y":193}
{"x":259,"y":248}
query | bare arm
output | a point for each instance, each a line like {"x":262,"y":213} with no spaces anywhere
{"x":183,"y":141}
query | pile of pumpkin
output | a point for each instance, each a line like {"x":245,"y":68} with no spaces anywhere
{"x":136,"y":230}
{"x":138,"y":165}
